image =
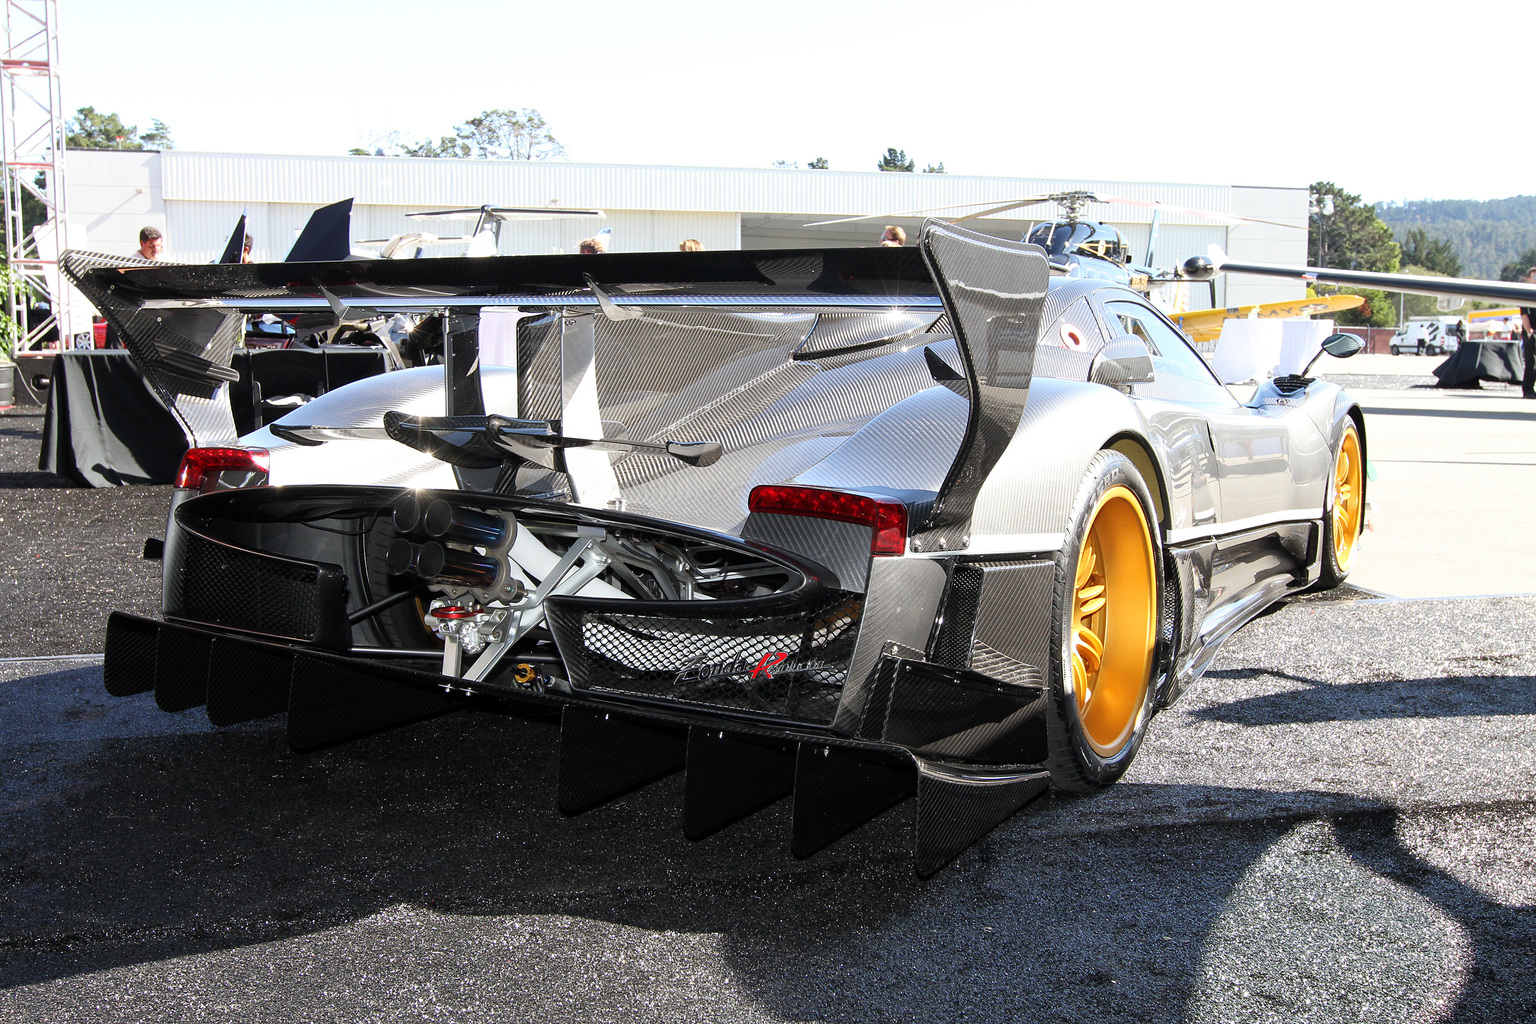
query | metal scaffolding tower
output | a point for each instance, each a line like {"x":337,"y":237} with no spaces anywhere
{"x":32,"y":147}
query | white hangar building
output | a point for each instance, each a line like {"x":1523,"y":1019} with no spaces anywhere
{"x":196,"y":198}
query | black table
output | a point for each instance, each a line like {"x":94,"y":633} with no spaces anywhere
{"x":105,"y":426}
{"x":269,"y":376}
{"x":1475,"y":361}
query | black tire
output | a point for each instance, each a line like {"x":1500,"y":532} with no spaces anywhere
{"x":1097,"y":717}
{"x":1343,"y":508}
{"x":400,"y":625}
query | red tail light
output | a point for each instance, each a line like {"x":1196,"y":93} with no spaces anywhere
{"x":212,"y":469}
{"x":886,"y":516}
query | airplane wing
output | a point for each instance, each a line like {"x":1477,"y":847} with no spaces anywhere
{"x":1459,"y":287}
{"x":1205,"y":324}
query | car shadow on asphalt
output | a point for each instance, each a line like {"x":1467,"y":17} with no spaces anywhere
{"x":132,"y":837}
{"x":1318,"y":700}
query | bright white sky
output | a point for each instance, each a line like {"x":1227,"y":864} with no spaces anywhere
{"x":1361,"y":94}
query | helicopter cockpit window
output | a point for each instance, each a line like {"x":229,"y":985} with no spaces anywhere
{"x":1102,"y":241}
{"x":1086,"y":238}
{"x":1055,"y":239}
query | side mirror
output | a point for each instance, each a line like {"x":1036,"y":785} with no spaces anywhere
{"x":1121,"y":363}
{"x":1342,"y":346}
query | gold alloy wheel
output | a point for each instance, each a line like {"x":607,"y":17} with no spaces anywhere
{"x":1114,"y":621}
{"x":1348,"y":489}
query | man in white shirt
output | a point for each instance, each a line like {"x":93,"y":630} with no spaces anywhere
{"x":151,"y":244}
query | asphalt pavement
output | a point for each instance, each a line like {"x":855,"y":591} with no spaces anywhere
{"x":1338,"y":823}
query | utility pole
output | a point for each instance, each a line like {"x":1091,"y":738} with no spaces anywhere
{"x":32,"y":148}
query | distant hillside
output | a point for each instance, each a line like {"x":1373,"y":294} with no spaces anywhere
{"x":1486,"y":235}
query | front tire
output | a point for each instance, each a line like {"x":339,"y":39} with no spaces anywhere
{"x":1344,"y":512}
{"x":1105,"y":628}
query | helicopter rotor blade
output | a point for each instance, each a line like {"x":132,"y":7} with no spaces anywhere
{"x":1230,"y":219}
{"x":1005,"y":207}
{"x":1011,"y":204}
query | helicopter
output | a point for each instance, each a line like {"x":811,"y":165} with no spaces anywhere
{"x":1081,"y":247}
{"x":482,"y":240}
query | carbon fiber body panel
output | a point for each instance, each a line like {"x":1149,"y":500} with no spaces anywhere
{"x":603,"y":756}
{"x":1012,"y":640}
{"x":841,"y":547}
{"x":994,"y":293}
{"x":606,"y":750}
{"x":731,"y":776}
{"x":910,"y":593}
{"x":185,"y":353}
{"x":956,"y":808}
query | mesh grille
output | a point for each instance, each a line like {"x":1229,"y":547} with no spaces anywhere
{"x":951,"y":644}
{"x":787,"y":664}
{"x":230,"y":587}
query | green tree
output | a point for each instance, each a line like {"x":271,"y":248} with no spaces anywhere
{"x":1519,"y":267}
{"x":896,"y":160}
{"x":1436,"y":255}
{"x":158,"y":136}
{"x":496,"y":135}
{"x":91,"y":129}
{"x":819,"y":164}
{"x":1485,"y":233}
{"x":10,"y":332}
{"x":1378,"y":310}
{"x":1344,"y":233}
{"x":937,"y":168}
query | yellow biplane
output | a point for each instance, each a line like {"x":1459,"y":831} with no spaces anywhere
{"x":1205,"y":324}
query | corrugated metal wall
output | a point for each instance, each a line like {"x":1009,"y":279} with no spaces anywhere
{"x":200,"y":229}
{"x":419,"y":183}
{"x":196,"y":198}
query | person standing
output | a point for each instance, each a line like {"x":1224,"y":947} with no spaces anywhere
{"x":893,"y":236}
{"x":151,"y":244}
{"x":1528,"y":343}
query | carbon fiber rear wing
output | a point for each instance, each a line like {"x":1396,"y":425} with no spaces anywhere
{"x":182,"y":323}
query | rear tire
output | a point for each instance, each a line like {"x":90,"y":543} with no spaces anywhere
{"x":400,"y":625}
{"x":1344,"y":510}
{"x":1105,"y":628}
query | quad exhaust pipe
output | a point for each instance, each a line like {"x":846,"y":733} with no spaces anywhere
{"x":436,"y":563}
{"x":447,"y":524}
{"x":442,"y":521}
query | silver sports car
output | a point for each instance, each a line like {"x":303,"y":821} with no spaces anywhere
{"x":851,"y":525}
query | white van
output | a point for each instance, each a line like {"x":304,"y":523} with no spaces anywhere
{"x":1429,"y":335}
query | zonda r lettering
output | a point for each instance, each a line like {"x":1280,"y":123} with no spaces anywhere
{"x":768,"y":666}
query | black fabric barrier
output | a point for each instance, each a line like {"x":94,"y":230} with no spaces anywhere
{"x":1475,"y":361}
{"x":104,"y":426}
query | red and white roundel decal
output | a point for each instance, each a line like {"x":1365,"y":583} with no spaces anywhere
{"x":1071,"y":337}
